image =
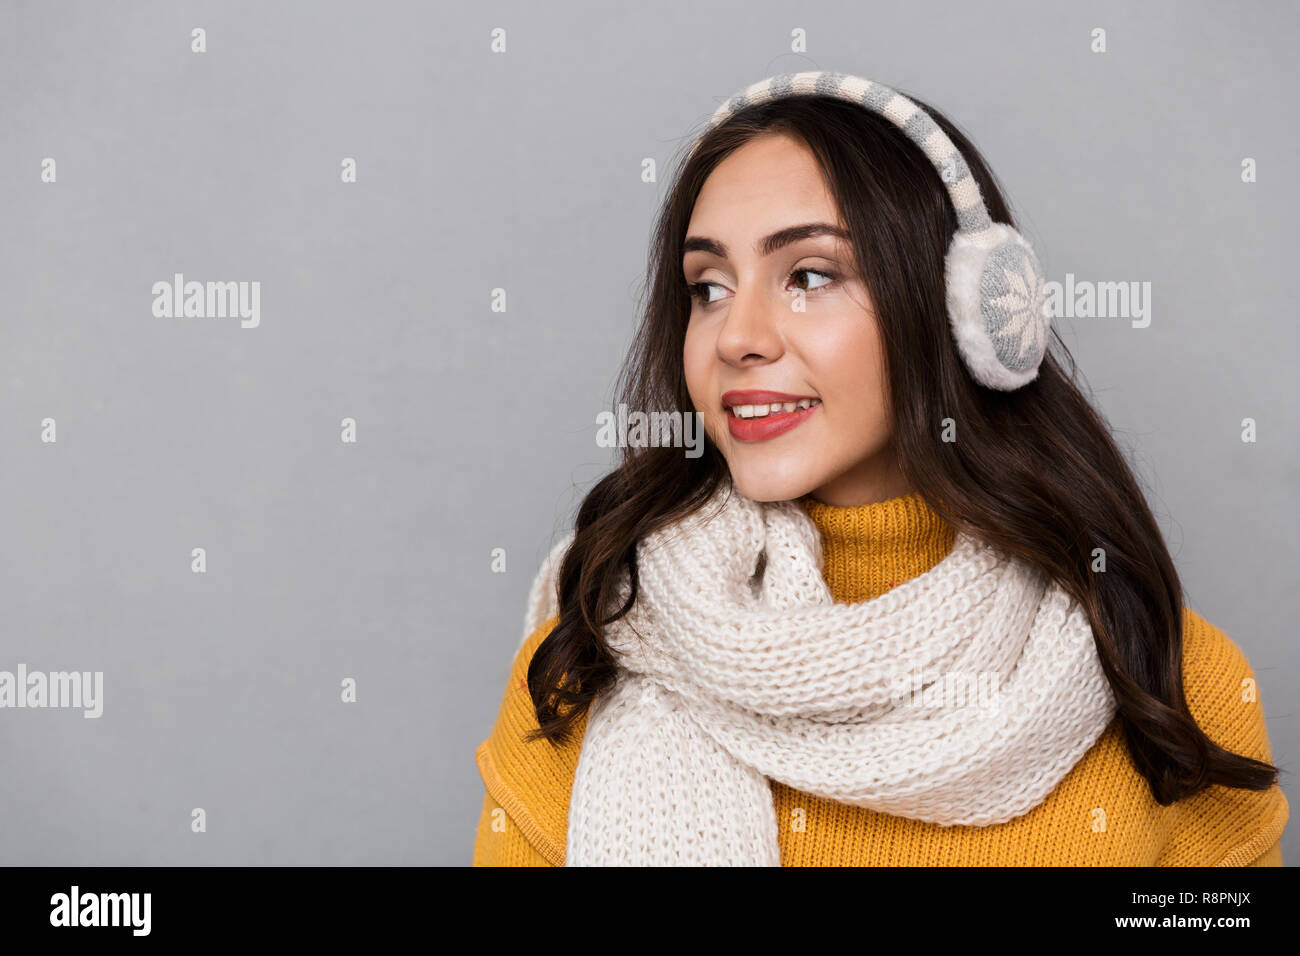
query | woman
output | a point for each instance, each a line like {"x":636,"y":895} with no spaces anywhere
{"x":910,"y":607}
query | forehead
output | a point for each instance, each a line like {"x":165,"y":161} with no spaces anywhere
{"x":771,"y":181}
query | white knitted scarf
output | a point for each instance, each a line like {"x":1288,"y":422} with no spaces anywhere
{"x":960,"y":697}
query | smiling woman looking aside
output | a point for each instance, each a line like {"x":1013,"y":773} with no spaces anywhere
{"x":910,"y":607}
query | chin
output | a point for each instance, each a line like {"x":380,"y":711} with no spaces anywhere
{"x":760,"y":483}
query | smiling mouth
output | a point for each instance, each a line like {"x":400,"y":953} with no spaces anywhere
{"x":771,"y":408}
{"x":759,"y":415}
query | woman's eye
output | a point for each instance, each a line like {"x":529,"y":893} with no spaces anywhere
{"x":812,"y":272}
{"x":700,"y":291}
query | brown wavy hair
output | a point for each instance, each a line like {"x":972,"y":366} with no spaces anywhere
{"x":1035,"y":471}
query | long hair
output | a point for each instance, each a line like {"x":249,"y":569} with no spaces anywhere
{"x":1035,"y":471}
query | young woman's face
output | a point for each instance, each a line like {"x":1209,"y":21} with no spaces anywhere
{"x":785,"y":316}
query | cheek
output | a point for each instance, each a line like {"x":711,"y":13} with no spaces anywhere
{"x":697,"y":362}
{"x":700,"y":366}
{"x":847,"y":363}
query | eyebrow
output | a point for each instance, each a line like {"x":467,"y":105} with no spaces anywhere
{"x":768,"y":244}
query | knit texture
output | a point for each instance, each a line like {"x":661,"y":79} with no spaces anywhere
{"x":1100,"y":814}
{"x":961,"y":697}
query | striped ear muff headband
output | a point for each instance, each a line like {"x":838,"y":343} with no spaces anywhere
{"x":994,"y":282}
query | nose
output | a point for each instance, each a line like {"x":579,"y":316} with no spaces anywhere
{"x":751,"y":332}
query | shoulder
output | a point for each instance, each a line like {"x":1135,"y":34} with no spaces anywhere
{"x":1221,"y":689}
{"x":1232,"y":826}
{"x":531,"y":780}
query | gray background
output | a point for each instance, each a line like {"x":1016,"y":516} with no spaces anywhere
{"x":477,"y":429}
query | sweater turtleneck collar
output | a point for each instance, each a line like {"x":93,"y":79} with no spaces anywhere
{"x":869,"y":549}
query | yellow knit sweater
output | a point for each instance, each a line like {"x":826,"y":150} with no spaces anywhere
{"x":1101,"y":814}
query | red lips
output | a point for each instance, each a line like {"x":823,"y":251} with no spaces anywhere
{"x":768,"y":427}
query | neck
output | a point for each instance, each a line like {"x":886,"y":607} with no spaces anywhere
{"x":869,"y":549}
{"x":871,"y":480}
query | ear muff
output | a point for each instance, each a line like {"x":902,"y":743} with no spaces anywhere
{"x":994,"y":281}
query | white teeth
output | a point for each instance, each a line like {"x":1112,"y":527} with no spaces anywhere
{"x":762,"y":411}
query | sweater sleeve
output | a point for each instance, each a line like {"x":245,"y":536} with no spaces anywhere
{"x":1226,"y":826}
{"x":500,"y":842}
{"x":1272,"y":857}
{"x":527,"y":783}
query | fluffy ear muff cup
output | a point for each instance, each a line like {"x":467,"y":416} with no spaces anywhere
{"x":997,"y":307}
